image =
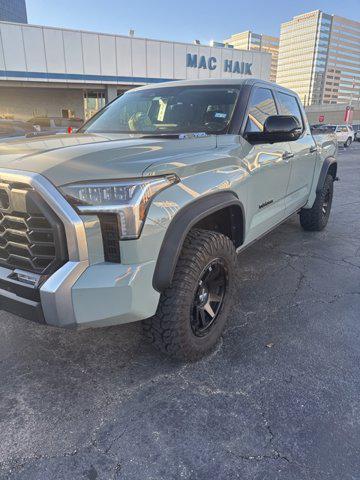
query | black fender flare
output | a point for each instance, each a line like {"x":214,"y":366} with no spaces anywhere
{"x":181,"y":224}
{"x":324,"y":171}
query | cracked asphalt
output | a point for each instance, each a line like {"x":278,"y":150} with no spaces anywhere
{"x":278,"y":399}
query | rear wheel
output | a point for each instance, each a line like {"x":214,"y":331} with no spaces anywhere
{"x":192,"y":313}
{"x":316,"y":218}
{"x":348,"y":142}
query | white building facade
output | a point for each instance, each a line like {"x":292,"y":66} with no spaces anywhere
{"x":49,"y":71}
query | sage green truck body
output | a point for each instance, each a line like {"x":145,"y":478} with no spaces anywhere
{"x":256,"y":186}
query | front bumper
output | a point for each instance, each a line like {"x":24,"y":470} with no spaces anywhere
{"x":104,"y":294}
{"x":101,"y":295}
{"x":85,"y":291}
{"x":23,"y":307}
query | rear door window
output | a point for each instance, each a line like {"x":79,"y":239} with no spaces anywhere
{"x":261,"y":106}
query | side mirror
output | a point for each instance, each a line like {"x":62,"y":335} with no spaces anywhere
{"x":277,"y":128}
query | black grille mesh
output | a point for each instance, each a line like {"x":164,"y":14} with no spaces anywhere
{"x":31,"y":235}
{"x":110,"y":235}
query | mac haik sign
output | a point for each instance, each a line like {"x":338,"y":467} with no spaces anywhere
{"x":211,"y":63}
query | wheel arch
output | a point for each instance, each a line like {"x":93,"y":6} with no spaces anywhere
{"x":328,"y":167}
{"x":220,"y":211}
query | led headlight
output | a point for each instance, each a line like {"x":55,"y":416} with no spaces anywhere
{"x":129,"y":199}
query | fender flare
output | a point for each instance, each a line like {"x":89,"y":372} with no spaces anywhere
{"x":324,"y":171}
{"x":181,"y":224}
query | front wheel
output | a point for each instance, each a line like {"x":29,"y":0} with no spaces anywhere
{"x":192,"y":312}
{"x":348,"y":143}
{"x":316,"y":218}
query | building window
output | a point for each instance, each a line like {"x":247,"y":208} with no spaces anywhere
{"x":93,"y":102}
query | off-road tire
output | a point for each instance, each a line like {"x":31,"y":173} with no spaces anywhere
{"x":170,"y":330}
{"x":315,"y":219}
{"x":348,"y":143}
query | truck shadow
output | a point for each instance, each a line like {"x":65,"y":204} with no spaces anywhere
{"x":59,"y":356}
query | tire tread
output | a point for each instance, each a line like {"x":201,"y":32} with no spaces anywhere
{"x":167,"y":330}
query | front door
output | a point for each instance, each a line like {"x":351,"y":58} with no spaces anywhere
{"x":269,"y":166}
{"x":304,"y":152}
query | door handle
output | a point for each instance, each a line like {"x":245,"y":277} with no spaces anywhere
{"x":287,"y":155}
{"x":313,"y":149}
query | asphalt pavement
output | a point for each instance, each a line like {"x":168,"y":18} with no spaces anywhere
{"x":278,"y":399}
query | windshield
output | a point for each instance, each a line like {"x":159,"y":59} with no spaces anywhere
{"x":167,"y":111}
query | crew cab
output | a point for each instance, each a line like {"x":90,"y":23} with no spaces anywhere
{"x":140,"y":215}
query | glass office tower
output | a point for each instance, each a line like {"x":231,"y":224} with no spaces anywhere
{"x":319,"y":58}
{"x":255,"y":41}
{"x":13,"y":11}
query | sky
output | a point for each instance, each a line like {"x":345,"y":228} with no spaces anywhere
{"x":184,"y":20}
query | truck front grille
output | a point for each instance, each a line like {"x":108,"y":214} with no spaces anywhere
{"x":32,"y":237}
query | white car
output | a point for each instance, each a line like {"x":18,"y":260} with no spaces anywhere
{"x":344,"y":133}
{"x":356,"y":128}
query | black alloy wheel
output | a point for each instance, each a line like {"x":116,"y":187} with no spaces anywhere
{"x":209,"y":297}
{"x":193,"y":310}
{"x":326,"y":202}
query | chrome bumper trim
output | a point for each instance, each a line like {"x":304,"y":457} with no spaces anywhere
{"x":55,"y":293}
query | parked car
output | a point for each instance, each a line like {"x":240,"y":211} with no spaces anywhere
{"x":356,"y":128}
{"x":55,"y":124}
{"x":140,"y":215}
{"x":322,"y":128}
{"x":14,"y":128}
{"x":344,"y":134}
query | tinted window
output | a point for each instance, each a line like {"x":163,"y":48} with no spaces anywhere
{"x":261,"y":106}
{"x":168,"y":110}
{"x":341,"y":128}
{"x":6,"y":130}
{"x":290,"y":106}
{"x":42,"y":122}
{"x":22,"y":126}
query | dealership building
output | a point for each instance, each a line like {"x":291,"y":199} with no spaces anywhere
{"x":46,"y":71}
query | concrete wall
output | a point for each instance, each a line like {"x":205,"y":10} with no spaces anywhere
{"x":332,"y":113}
{"x":24,"y":102}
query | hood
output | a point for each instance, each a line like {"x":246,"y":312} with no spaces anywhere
{"x":71,"y":158}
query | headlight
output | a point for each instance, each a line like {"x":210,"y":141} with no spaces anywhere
{"x":129,"y":199}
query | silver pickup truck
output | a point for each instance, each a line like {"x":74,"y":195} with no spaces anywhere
{"x":140,"y":214}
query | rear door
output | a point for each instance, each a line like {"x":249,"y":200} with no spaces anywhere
{"x":268,"y":165}
{"x":304,"y":151}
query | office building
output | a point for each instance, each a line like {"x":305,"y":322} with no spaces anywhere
{"x":319,"y":58}
{"x":257,"y":42}
{"x":13,"y":11}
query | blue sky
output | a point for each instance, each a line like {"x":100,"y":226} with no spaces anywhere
{"x":183,"y":20}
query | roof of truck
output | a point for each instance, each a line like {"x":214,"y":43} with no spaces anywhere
{"x":207,"y":81}
{"x":214,"y":82}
